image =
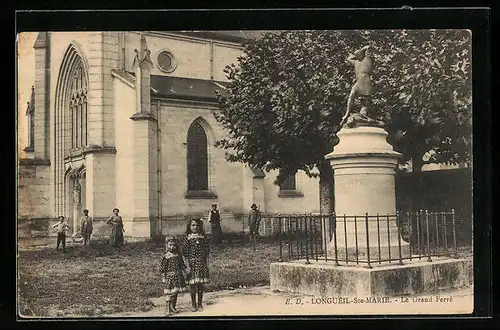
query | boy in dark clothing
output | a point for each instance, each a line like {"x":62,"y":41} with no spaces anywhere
{"x":61,"y":228}
{"x":214,"y":219}
{"x":254,"y":220}
{"x":86,"y":227}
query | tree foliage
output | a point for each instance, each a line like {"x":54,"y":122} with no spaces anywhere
{"x":287,"y":94}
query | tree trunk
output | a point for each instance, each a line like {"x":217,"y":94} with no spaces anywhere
{"x":326,"y":194}
{"x":416,"y":198}
{"x":326,"y":202}
{"x":416,"y":168}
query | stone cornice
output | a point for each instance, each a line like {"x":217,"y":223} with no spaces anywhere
{"x":201,"y":194}
{"x":388,"y":154}
{"x":290,"y":193}
{"x":91,"y":149}
{"x":35,"y":161}
{"x":94,"y":149}
{"x":142,"y":116}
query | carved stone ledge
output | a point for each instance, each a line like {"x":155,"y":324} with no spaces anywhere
{"x":35,"y":161}
{"x":143,"y":116}
{"x":94,"y":149}
{"x":200,"y":194}
{"x":290,"y":193}
{"x":91,"y":149}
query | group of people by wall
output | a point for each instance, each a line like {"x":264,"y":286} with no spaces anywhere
{"x":116,"y":238}
{"x":184,"y":265}
{"x":87,"y":227}
{"x":214,"y":218}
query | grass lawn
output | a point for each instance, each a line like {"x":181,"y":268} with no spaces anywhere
{"x":100,"y":280}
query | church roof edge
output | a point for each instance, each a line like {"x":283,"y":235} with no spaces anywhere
{"x":176,"y":87}
{"x":225,"y":35}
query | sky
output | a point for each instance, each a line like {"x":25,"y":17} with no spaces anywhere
{"x":25,"y":79}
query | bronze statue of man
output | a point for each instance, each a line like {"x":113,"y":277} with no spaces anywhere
{"x":362,"y":60}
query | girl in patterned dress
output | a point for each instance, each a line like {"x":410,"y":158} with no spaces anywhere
{"x":195,"y":250}
{"x":172,"y":269}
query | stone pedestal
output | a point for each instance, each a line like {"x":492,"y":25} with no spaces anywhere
{"x":364,"y":167}
{"x":324,"y":279}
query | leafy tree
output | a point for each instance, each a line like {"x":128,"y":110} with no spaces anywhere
{"x":287,"y":94}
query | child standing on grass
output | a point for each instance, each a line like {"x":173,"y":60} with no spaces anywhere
{"x":195,"y":249}
{"x":86,"y":227}
{"x":172,"y":269}
{"x":61,"y":227}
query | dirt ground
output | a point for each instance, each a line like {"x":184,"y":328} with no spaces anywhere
{"x":261,"y":301}
{"x":38,"y":261}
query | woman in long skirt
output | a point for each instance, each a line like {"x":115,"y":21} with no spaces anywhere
{"x":116,"y":236}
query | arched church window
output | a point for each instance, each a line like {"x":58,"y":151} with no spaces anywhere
{"x":78,"y":107}
{"x":197,"y":158}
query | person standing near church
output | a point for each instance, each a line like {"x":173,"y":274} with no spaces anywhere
{"x":116,"y":236}
{"x":61,"y":227}
{"x":86,"y":227}
{"x":254,"y":218}
{"x":214,"y":219}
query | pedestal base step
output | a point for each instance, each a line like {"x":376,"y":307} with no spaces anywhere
{"x":321,"y":278}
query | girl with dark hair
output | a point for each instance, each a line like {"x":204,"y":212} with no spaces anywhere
{"x":172,"y":269}
{"x":195,"y":250}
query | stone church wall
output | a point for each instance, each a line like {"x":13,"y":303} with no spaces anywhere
{"x":224,"y":178}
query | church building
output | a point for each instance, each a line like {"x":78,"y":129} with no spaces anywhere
{"x":126,"y":120}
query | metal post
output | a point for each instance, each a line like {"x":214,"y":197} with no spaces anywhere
{"x":325,"y":238}
{"x":345,"y":241}
{"x":437,"y":232}
{"x":335,"y":241}
{"x":454,"y":231}
{"x":399,"y":231}
{"x":418,"y":235}
{"x":289,"y":237}
{"x":297,"y":236}
{"x":315,"y":239}
{"x":279,"y":238}
{"x":367,"y":241}
{"x":388,"y":238}
{"x":356,"y":239}
{"x":307,"y":240}
{"x":409,"y":217}
{"x":444,"y":217}
{"x":427,"y":232}
{"x":378,"y":241}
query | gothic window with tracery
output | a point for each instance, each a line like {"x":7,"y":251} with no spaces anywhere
{"x":78,"y":107}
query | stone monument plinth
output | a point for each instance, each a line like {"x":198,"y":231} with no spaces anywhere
{"x":364,"y":166}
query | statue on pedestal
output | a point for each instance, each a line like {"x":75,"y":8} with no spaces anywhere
{"x":77,"y":190}
{"x":361,"y":118}
{"x":362,"y":60}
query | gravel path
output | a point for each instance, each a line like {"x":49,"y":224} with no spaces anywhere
{"x":261,"y":301}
